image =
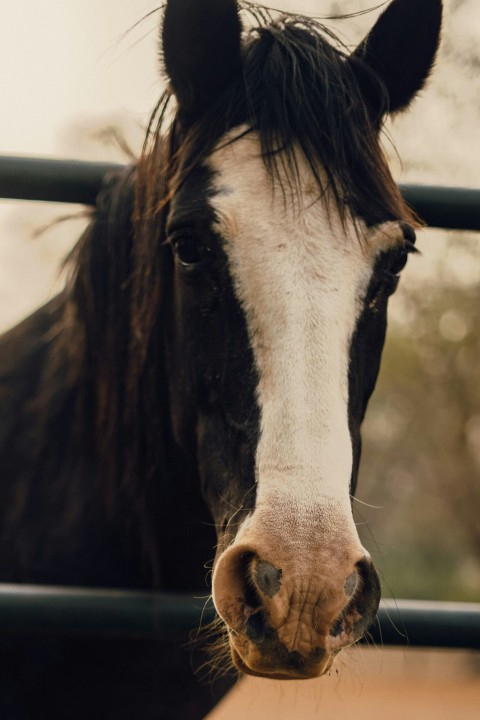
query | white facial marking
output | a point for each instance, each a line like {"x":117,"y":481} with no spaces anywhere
{"x":301,"y":277}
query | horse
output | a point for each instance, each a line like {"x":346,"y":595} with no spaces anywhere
{"x":198,"y":386}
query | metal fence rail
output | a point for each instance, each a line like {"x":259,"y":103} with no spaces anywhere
{"x":25,"y":608}
{"x":72,"y":181}
{"x":65,"y":181}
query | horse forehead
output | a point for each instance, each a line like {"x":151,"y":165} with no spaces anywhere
{"x":281,"y":222}
{"x":247,"y":193}
{"x":265,"y":218}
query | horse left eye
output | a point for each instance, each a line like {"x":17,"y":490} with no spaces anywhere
{"x":399,"y":261}
{"x":186,"y":249}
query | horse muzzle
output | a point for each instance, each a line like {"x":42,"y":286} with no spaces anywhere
{"x":289,"y":613}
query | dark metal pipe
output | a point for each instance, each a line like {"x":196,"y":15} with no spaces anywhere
{"x":65,"y":181}
{"x":27,"y":608}
{"x":427,"y":624}
{"x":452,"y":208}
{"x":165,"y":616}
{"x":73,"y":181}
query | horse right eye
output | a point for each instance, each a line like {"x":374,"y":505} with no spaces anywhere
{"x":186,"y":250}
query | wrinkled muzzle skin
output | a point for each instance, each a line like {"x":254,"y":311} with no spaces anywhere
{"x":293,"y":593}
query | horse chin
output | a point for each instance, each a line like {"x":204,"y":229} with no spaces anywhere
{"x":270,"y":673}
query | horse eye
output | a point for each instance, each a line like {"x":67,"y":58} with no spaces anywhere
{"x":399,"y":261}
{"x":186,"y":249}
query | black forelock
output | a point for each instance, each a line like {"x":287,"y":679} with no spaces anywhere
{"x":298,"y":90}
{"x":302,"y":92}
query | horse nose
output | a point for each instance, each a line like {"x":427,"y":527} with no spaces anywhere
{"x":288,"y":625}
{"x":363,"y":590}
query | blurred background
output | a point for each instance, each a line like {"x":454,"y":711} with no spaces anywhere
{"x":78,"y":80}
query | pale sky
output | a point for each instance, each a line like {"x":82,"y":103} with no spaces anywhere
{"x":62,"y":60}
{"x":68,"y":68}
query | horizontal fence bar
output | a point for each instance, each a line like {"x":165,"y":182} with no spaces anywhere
{"x":64,"y":181}
{"x":99,"y":612}
{"x":427,"y":624}
{"x":29,"y":608}
{"x":452,"y":208}
{"x":73,"y":181}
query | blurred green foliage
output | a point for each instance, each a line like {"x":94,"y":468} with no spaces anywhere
{"x":421,"y":461}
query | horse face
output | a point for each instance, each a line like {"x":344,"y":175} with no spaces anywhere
{"x":280,"y":314}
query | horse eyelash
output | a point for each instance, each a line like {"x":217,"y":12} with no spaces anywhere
{"x":411,"y":248}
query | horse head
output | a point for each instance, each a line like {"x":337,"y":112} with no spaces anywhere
{"x":286,"y":235}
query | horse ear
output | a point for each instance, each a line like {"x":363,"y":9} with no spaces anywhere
{"x":398,"y":54}
{"x":201,"y":51}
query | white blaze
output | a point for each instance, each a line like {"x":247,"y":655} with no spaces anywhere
{"x":301,"y":277}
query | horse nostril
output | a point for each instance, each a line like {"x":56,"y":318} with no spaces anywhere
{"x":337,"y":627}
{"x":350,"y":584}
{"x":256,"y":627}
{"x":268,"y":578}
{"x":363,"y":589}
{"x":244,"y":589}
{"x":247,"y":572}
{"x":367,"y":595}
{"x":366,"y":600}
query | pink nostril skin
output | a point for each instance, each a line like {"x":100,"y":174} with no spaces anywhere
{"x":283,"y":625}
